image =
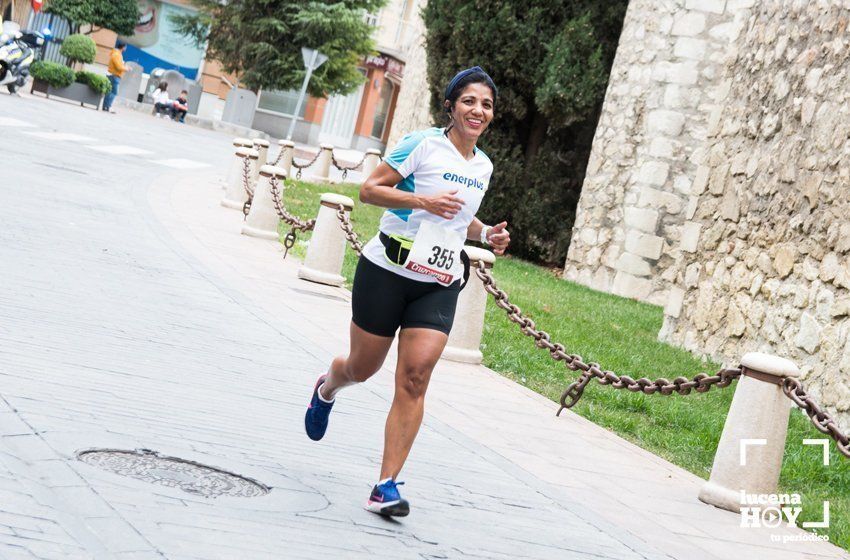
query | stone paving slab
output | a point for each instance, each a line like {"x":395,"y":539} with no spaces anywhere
{"x":134,"y":315}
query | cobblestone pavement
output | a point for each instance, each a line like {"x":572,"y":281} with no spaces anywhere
{"x":133,"y":316}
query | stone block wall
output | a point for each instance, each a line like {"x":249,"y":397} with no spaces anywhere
{"x":634,"y":214}
{"x":413,"y":109}
{"x":770,"y":203}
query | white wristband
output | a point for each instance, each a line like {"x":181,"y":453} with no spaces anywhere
{"x":484,"y":230}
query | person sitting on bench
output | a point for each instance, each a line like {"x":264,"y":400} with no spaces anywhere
{"x":161,"y":103}
{"x":180,"y":107}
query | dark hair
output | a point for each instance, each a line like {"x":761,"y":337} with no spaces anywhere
{"x":163,"y":86}
{"x":184,"y":91}
{"x":472,"y":76}
{"x":120,"y":45}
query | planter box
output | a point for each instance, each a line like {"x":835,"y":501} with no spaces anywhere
{"x":80,"y":93}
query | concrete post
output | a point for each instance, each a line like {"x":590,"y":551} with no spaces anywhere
{"x":751,"y":447}
{"x":373,"y":158}
{"x":262,"y":219}
{"x":287,"y":150}
{"x":327,"y":246}
{"x":465,"y":338}
{"x":235,"y":195}
{"x":262,"y":147}
{"x":236,"y":163}
{"x":323,"y":164}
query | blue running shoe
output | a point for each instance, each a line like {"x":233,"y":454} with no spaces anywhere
{"x":316,"y":419}
{"x":385,"y":500}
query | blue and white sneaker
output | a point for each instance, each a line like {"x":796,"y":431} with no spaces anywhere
{"x":385,"y":499}
{"x":316,"y":419}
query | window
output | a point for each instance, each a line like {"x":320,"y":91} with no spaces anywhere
{"x":370,"y":19}
{"x":382,"y":111}
{"x":282,"y":102}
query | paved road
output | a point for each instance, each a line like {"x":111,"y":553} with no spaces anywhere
{"x":133,"y":316}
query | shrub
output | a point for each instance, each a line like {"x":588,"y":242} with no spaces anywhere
{"x":79,"y":48}
{"x":97,"y":82}
{"x":57,"y":75}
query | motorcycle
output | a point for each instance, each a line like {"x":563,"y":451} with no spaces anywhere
{"x":17,"y":53}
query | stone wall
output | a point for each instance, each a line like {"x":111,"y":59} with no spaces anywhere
{"x":633,"y":216}
{"x":412,"y":111}
{"x":771,"y":269}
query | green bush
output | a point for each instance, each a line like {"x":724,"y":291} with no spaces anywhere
{"x":97,"y":82}
{"x":79,"y":48}
{"x":57,"y":75}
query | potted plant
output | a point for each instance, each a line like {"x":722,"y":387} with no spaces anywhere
{"x":61,"y":81}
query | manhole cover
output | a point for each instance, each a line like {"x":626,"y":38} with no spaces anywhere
{"x":173,"y":472}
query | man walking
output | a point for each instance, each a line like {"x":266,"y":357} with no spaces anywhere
{"x":114,"y":72}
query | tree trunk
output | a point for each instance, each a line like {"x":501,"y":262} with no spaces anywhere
{"x":536,"y":135}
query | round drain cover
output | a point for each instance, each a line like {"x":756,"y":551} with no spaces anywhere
{"x":189,"y":476}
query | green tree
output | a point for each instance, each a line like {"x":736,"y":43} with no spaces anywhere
{"x":260,"y":40}
{"x":121,"y":16}
{"x":551,"y":61}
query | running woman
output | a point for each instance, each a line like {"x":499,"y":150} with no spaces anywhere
{"x":410,"y":273}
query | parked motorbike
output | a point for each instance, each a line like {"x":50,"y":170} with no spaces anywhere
{"x":17,"y":53}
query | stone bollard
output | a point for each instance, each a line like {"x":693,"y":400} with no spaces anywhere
{"x":465,"y":337}
{"x":373,"y":158}
{"x":236,"y":162}
{"x":235,"y":195}
{"x":262,"y":147}
{"x":323,"y":164}
{"x":262,"y":219}
{"x":759,"y":413}
{"x":327,"y":246}
{"x":287,"y":150}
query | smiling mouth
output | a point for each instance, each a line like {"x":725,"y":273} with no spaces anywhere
{"x":474,"y":123}
{"x":146,"y":22}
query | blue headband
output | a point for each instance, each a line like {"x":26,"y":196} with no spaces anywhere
{"x":461,"y":75}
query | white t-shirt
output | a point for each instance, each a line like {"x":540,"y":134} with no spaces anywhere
{"x":160,"y":96}
{"x":430,"y":164}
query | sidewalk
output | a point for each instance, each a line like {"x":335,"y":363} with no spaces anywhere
{"x":133,"y":315}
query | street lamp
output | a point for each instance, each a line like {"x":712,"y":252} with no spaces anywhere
{"x":312,"y":60}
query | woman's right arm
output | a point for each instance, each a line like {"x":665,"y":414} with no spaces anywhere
{"x":379,"y":190}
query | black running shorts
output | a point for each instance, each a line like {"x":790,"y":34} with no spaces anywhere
{"x":382,"y":301}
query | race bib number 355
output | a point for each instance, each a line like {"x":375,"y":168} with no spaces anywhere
{"x":436,"y":252}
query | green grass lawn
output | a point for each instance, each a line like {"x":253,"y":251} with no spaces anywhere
{"x":620,"y":334}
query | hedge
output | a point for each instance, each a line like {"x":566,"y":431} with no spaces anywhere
{"x":97,"y":82}
{"x":57,"y":75}
{"x":79,"y":48}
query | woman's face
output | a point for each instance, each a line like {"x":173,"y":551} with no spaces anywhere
{"x":473,"y":110}
{"x":146,"y":33}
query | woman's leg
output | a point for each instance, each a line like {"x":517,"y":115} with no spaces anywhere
{"x":418,"y":352}
{"x":366,"y":355}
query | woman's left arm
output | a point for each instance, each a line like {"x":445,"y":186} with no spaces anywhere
{"x":496,"y":236}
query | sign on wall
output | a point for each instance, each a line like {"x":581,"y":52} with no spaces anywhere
{"x":157,"y":44}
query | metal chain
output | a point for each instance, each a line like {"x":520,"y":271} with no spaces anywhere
{"x":280,"y":154}
{"x":350,"y":235}
{"x":246,"y":183}
{"x":344,"y":169}
{"x":296,"y":223}
{"x":822,"y":420}
{"x":300,"y":166}
{"x":682,"y":385}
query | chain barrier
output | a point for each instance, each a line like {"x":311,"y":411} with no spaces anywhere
{"x":542,"y":339}
{"x":701,"y":382}
{"x":350,"y":234}
{"x":345,"y":169}
{"x":296,"y":223}
{"x":279,"y":155}
{"x":246,"y":184}
{"x":300,"y":166}
{"x":823,"y":421}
